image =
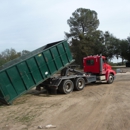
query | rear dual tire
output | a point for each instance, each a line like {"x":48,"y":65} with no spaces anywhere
{"x":79,"y":84}
{"x":67,"y":86}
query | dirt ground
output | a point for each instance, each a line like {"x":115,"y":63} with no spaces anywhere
{"x":97,"y":107}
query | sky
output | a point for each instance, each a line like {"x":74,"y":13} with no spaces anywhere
{"x":30,"y":24}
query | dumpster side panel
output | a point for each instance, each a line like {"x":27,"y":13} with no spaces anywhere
{"x":50,"y":62}
{"x":62,"y":54}
{"x":16,"y":80}
{"x":26,"y":75}
{"x":56,"y":57}
{"x":8,"y":92}
{"x":34,"y":70}
{"x":43,"y":68}
{"x":68,"y":53}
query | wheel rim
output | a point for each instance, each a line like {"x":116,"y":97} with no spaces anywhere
{"x":110,"y":78}
{"x":68,"y":87}
{"x":80,"y":84}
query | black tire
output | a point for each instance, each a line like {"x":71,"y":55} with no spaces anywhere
{"x":79,"y":84}
{"x":66,"y":87}
{"x":110,"y":79}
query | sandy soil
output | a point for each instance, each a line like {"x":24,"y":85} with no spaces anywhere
{"x":97,"y":107}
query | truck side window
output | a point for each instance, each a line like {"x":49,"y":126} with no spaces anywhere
{"x":90,"y":62}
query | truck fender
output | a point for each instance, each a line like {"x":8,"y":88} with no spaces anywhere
{"x":108,"y":73}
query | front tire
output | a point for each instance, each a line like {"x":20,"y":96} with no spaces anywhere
{"x":110,"y":79}
{"x":66,"y":87}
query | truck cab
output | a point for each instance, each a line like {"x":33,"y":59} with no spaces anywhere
{"x":97,"y":65}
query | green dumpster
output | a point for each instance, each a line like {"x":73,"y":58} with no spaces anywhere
{"x":28,"y":71}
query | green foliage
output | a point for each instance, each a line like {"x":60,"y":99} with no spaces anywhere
{"x":116,"y":47}
{"x":112,"y":46}
{"x":125,"y":49}
{"x":10,"y":54}
{"x":85,"y":38}
{"x":82,"y":22}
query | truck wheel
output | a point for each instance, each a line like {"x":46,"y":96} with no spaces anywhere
{"x":110,"y":79}
{"x":79,"y":84}
{"x":66,"y":86}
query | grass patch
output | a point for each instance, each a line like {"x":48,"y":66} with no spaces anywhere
{"x":25,"y":118}
{"x":21,"y":100}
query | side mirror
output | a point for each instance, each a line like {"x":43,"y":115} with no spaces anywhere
{"x":105,"y":60}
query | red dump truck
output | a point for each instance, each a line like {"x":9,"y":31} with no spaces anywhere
{"x":37,"y":69}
